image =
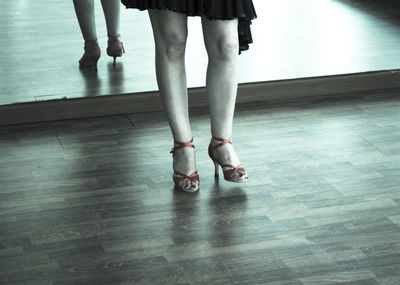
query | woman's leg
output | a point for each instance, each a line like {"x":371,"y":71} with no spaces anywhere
{"x":221,"y":40}
{"x":170,"y":34}
{"x":84,"y":10}
{"x":111,"y":10}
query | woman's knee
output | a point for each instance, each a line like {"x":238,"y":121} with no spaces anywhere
{"x":173,"y":46}
{"x":225,"y":50}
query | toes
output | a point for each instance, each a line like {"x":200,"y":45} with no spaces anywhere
{"x":241,"y":175}
{"x":194,"y":186}
{"x":186,"y":186}
{"x":190,"y":186}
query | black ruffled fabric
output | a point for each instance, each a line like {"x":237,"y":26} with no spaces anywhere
{"x":212,"y":9}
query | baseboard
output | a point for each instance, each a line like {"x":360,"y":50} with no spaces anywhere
{"x":62,"y":109}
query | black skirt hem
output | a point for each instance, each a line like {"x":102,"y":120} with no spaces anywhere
{"x":212,"y":10}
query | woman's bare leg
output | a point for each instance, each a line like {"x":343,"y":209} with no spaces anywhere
{"x":221,"y":40}
{"x":170,"y":34}
{"x":84,"y":10}
{"x":111,"y":10}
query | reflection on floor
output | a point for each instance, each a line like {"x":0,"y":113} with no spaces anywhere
{"x":91,"y":201}
{"x":41,"y":45}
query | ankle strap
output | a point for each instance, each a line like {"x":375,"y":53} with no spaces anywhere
{"x":181,"y":145}
{"x":111,"y":37}
{"x":91,"y":42}
{"x":222,"y":142}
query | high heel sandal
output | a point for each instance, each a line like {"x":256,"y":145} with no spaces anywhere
{"x":235,"y":174}
{"x":183,"y":182}
{"x":91,"y":55}
{"x":115,"y":47}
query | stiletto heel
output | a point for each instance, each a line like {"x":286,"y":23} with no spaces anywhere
{"x":183,"y":182}
{"x":216,"y":171}
{"x":235,"y":174}
{"x":91,"y":55}
{"x":115,"y":47}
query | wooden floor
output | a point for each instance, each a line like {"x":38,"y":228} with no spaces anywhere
{"x":92,"y":202}
{"x":42,"y":44}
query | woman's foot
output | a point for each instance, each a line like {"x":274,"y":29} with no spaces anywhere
{"x":184,"y":165}
{"x":222,"y":153}
{"x":115,"y":48}
{"x":91,"y":55}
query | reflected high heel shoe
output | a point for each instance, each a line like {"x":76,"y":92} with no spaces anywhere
{"x":183,"y":182}
{"x":91,"y":55}
{"x":232,"y":173}
{"x":115,"y":47}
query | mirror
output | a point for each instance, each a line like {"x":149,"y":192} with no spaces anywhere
{"x":41,"y":44}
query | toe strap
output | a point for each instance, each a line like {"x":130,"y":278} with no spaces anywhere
{"x":231,"y":173}
{"x":182,"y":178}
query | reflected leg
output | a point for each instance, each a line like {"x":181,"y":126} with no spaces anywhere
{"x":84,"y":10}
{"x":111,"y":10}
